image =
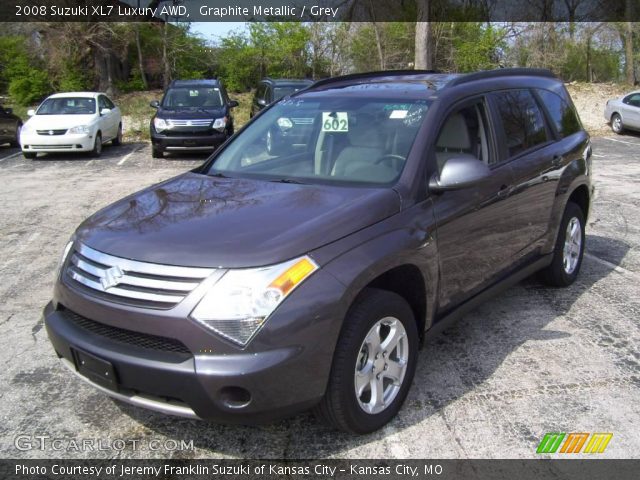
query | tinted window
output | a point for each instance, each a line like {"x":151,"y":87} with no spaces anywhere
{"x":522,"y":120}
{"x":192,"y":97}
{"x":561,"y":113}
{"x":633,"y":99}
{"x":108,"y":103}
{"x":262,"y":91}
{"x":280,"y":92}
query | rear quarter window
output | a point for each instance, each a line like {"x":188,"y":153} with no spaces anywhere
{"x":522,"y":121}
{"x":561,"y":113}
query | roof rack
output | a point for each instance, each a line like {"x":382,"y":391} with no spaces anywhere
{"x":362,"y":76}
{"x":501,"y":72}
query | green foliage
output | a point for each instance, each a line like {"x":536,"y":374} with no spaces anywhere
{"x":20,"y":74}
{"x":71,"y":78}
{"x":397,"y":45}
{"x":589,"y":63}
{"x":476,"y":47}
{"x":276,"y":49}
{"x":30,"y":89}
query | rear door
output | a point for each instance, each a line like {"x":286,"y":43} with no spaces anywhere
{"x":108,"y":122}
{"x":474,"y":224}
{"x":536,"y":161}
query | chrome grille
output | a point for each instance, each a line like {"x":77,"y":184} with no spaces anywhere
{"x":130,"y":281}
{"x":201,"y":122}
{"x":51,"y":132}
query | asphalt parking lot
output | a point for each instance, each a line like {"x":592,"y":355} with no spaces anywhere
{"x":532,"y":361}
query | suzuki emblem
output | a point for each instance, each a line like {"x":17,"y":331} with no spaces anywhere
{"x":111,"y":277}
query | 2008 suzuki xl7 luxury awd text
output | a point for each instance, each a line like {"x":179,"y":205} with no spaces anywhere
{"x":271,"y":281}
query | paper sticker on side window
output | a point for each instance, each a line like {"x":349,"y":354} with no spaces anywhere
{"x":335,"y":122}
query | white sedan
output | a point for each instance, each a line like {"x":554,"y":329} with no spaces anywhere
{"x":72,"y":122}
{"x":624,"y":112}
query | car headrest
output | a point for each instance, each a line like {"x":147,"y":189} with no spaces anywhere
{"x":364,"y":131}
{"x":455,"y":134}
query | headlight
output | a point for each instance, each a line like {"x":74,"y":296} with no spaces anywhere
{"x":284,"y":123}
{"x":80,"y":129}
{"x":220,"y":123}
{"x":161,"y":124}
{"x":238,"y":305}
{"x":64,"y":256}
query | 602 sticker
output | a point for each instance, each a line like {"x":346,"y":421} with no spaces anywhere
{"x":335,"y":122}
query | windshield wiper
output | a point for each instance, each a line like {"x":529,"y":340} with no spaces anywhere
{"x":218,"y":174}
{"x":287,"y":180}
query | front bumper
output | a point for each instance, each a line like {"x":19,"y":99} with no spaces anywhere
{"x":177,"y":142}
{"x":56,"y":143}
{"x":284,"y":370}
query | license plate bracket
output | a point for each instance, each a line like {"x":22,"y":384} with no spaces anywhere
{"x":96,"y":369}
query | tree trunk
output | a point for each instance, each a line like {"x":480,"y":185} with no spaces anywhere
{"x":143,"y":75}
{"x":423,"y":59}
{"x":376,"y":29}
{"x":166,"y":75}
{"x":628,"y":47}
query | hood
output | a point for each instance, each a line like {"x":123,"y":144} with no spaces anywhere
{"x":190,"y":113}
{"x":202,"y":221}
{"x":57,"y":122}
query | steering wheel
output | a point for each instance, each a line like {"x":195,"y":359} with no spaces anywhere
{"x":396,"y":160}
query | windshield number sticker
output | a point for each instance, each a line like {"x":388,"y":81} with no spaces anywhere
{"x":335,"y":122}
{"x":399,"y":114}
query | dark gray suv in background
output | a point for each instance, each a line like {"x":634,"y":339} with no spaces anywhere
{"x":263,"y":283}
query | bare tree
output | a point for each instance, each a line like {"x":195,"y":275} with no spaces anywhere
{"x":424,"y":37}
{"x":628,"y":44}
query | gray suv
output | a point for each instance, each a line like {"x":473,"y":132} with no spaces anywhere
{"x":265,"y":283}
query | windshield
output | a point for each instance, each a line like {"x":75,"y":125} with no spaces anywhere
{"x":68,"y":106}
{"x":326,"y":140}
{"x":192,"y":97}
{"x":281,"y":92}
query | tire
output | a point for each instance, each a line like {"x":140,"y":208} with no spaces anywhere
{"x":29,"y":155}
{"x":97,"y":146}
{"x":16,"y":141}
{"x":157,"y":152}
{"x":567,"y":255}
{"x":341,"y":407}
{"x":616,"y":124}
{"x":118,"y":140}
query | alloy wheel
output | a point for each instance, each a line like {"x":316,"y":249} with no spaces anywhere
{"x":572,"y":245}
{"x":381,"y":365}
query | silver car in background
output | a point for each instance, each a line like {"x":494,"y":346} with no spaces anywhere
{"x":624,"y":112}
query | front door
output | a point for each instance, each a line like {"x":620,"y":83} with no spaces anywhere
{"x":474,"y":224}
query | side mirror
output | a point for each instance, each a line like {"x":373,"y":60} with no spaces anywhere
{"x":105,"y":111}
{"x":8,"y":111}
{"x":155,"y":104}
{"x":262,"y":102}
{"x":233,"y":103}
{"x":459,"y":172}
{"x":31,"y":112}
